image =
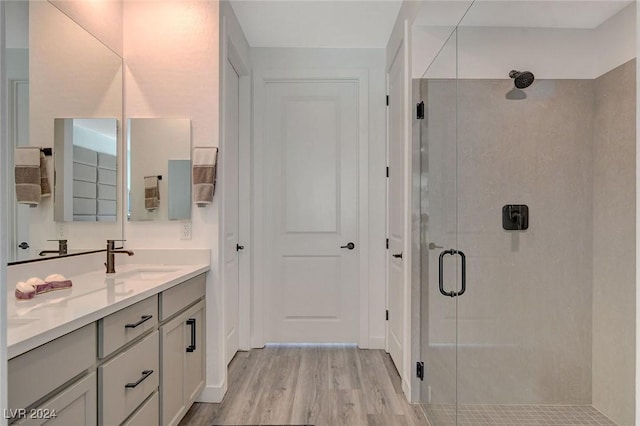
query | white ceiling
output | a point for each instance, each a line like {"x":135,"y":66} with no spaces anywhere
{"x":585,"y":14}
{"x":313,"y":23}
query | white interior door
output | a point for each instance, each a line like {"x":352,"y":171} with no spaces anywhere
{"x":396,"y":212}
{"x":311,"y":190}
{"x":230,"y":170}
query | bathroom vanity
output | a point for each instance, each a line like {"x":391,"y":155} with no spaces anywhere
{"x":122,"y":349}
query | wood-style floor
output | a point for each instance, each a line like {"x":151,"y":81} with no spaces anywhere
{"x":310,"y":385}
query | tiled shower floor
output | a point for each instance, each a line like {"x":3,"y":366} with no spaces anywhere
{"x":515,"y":415}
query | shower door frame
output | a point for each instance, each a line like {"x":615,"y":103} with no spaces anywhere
{"x":442,"y":278}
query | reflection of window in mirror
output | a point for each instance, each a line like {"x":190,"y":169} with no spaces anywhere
{"x":86,"y":173}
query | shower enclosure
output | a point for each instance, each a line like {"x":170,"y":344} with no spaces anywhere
{"x":527,"y":212}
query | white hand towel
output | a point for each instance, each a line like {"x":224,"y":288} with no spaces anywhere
{"x":204,"y":175}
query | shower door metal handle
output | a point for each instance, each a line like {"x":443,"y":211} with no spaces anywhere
{"x":441,"y":273}
{"x":463,"y":259}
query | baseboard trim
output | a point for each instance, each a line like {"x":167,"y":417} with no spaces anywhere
{"x":406,"y":388}
{"x":377,"y":342}
{"x":213,"y":394}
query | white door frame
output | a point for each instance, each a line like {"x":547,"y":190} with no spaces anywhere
{"x":13,"y":210}
{"x":260,"y":80}
{"x":230,"y":52}
{"x":402,"y":46}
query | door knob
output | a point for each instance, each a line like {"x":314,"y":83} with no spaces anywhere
{"x":23,"y":245}
{"x":397,"y":256}
{"x":434,"y":246}
{"x":239,"y":247}
{"x":349,"y":246}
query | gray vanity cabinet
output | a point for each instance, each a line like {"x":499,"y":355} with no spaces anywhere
{"x":142,"y":365}
{"x":182,"y":342}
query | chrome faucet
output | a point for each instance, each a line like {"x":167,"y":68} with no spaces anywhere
{"x":111,"y":251}
{"x":62,"y":248}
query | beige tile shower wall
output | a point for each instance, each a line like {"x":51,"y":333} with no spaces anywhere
{"x":614,"y":244}
{"x":524,"y":324}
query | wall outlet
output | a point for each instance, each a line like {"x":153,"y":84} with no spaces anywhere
{"x":428,"y":394}
{"x":61,"y":231}
{"x":185,"y":230}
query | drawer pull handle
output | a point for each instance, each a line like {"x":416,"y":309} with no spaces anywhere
{"x":192,"y":323}
{"x":145,"y":374}
{"x":142,"y":319}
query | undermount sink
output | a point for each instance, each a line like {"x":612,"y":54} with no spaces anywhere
{"x":19,"y":321}
{"x":143,"y":274}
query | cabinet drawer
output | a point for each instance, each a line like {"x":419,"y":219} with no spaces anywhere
{"x":124,"y":326}
{"x":127,"y":380}
{"x":34,"y":374}
{"x":148,"y":414}
{"x":76,"y":405}
{"x":179,"y":297}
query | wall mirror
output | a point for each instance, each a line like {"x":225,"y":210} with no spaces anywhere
{"x":85,"y":170}
{"x":159,"y":168}
{"x":55,"y":68}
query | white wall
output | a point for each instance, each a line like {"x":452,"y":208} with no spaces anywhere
{"x":17,"y":24}
{"x":373,"y":61}
{"x":102,"y":18}
{"x":408,"y":12}
{"x":234,"y":34}
{"x":171,"y":70}
{"x":491,"y":52}
{"x":615,"y":41}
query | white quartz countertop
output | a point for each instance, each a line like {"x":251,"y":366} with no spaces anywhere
{"x":94,"y":295}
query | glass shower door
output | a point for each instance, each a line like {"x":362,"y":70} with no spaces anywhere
{"x":442,"y":264}
{"x":534,"y":179}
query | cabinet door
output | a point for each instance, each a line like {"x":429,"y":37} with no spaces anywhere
{"x":195,"y":360}
{"x":182,"y":362}
{"x":76,"y":405}
{"x":172,"y":359}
